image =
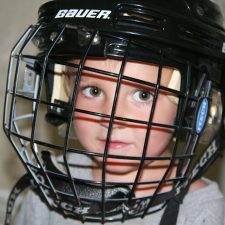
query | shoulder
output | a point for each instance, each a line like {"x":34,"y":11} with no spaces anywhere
{"x":205,"y":205}
{"x":33,"y":211}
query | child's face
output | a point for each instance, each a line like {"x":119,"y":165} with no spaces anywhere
{"x":96,"y":94}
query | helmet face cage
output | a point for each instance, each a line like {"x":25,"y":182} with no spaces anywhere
{"x":46,"y":84}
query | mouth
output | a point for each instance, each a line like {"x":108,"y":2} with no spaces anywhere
{"x":114,"y":144}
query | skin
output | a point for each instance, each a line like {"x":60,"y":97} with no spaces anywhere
{"x":96,"y":94}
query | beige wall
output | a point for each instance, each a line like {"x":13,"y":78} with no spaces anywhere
{"x":15,"y":16}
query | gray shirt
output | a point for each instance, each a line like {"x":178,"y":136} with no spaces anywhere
{"x":205,"y":206}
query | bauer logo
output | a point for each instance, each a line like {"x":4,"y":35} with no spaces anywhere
{"x":83,"y":13}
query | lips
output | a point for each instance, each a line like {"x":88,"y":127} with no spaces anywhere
{"x":115,"y":144}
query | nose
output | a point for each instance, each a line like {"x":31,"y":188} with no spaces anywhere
{"x":116,"y":124}
{"x":120,"y":112}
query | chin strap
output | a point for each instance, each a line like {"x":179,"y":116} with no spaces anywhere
{"x":21,"y":185}
{"x":213,"y":151}
{"x":170,"y":214}
{"x":26,"y":181}
{"x":172,"y":209}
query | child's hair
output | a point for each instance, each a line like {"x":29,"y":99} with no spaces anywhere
{"x":67,"y":72}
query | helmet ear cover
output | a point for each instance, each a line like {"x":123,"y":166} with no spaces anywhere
{"x":214,"y":120}
{"x":202,"y":86}
{"x":56,"y":94}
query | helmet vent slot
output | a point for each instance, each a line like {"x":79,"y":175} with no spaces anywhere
{"x":195,"y":36}
{"x":135,"y":16}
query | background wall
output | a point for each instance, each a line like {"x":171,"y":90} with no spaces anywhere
{"x":15,"y":17}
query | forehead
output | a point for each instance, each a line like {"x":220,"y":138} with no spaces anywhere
{"x":139,"y":70}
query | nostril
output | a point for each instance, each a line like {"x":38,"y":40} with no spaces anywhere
{"x":105,"y":125}
{"x":115,"y":124}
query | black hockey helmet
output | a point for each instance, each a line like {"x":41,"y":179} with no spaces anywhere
{"x":185,"y":35}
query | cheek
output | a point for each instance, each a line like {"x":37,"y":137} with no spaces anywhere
{"x":159,"y":138}
{"x":84,"y":131}
{"x":165,"y":111}
{"x":81,"y":128}
{"x":157,"y":144}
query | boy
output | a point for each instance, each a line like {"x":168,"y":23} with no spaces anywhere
{"x":136,"y":88}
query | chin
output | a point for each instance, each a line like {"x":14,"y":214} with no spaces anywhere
{"x":120,"y":167}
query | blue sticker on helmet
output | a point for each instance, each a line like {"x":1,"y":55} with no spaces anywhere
{"x":202,"y":115}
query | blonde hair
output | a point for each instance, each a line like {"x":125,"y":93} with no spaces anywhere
{"x":62,"y":83}
{"x":174,"y":84}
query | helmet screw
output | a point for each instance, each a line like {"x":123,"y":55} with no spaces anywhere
{"x":200,"y":11}
{"x":53,"y":36}
{"x":97,"y":40}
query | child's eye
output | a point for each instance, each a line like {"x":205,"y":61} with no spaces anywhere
{"x":143,"y":96}
{"x":92,"y":91}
